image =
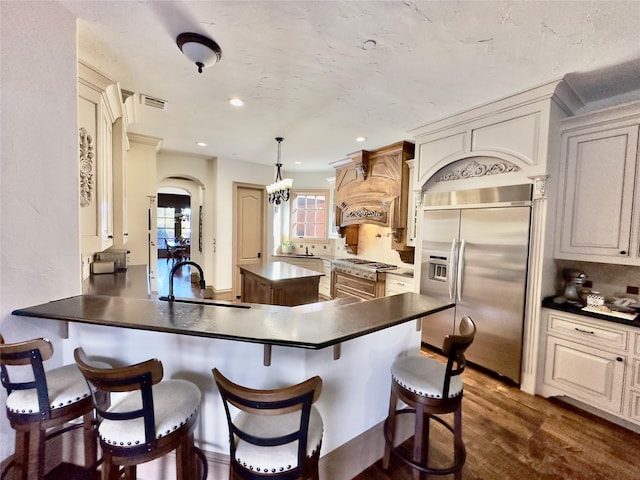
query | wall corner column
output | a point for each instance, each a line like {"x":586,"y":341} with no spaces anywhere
{"x":531,"y":337}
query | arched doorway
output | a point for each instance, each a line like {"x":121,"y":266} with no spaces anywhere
{"x":173,"y":219}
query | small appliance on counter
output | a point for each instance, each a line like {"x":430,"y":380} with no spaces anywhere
{"x":119,"y":258}
{"x":99,"y":267}
{"x":573,"y":283}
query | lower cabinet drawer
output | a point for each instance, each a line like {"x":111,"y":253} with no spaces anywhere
{"x":394,"y":286}
{"x":589,"y":374}
{"x":589,"y":332}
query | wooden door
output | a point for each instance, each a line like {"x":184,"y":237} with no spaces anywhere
{"x":249,"y":232}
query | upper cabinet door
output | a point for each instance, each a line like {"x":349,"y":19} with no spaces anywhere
{"x":597,"y":190}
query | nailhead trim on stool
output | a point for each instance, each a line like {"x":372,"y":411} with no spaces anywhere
{"x":174,"y":402}
{"x":280,"y":458}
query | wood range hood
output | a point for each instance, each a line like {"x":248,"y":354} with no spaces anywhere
{"x":373,"y":187}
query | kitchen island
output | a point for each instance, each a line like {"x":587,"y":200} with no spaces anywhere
{"x":279,"y":283}
{"x":191,"y":337}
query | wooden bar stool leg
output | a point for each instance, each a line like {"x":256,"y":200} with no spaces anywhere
{"x":35,"y":460}
{"x":20,"y":455}
{"x":109,"y":470}
{"x":390,"y":428}
{"x":426,"y":429}
{"x":457,"y":439}
{"x":418,"y":439}
{"x":185,"y":459}
{"x":90,"y":441}
{"x":130,"y":472}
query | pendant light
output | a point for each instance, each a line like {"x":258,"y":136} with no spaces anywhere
{"x":279,"y":190}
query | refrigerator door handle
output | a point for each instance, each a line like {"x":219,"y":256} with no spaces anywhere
{"x":451,"y":274}
{"x":459,"y":272}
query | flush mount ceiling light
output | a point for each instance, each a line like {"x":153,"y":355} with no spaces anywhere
{"x":201,"y":50}
{"x":279,"y":190}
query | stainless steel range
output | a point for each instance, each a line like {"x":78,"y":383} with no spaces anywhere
{"x":357,"y":277}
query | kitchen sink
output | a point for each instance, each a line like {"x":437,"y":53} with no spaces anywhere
{"x":204,"y":301}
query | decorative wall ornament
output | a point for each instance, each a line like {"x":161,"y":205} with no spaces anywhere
{"x":477,"y":169}
{"x":363,"y":213}
{"x":86,"y":168}
{"x":539,"y":186}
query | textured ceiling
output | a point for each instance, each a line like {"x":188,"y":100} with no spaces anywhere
{"x":304,"y":72}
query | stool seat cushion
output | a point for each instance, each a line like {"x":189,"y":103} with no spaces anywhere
{"x":424,"y":376}
{"x":65,"y":385}
{"x":279,"y":458}
{"x":174,"y":401}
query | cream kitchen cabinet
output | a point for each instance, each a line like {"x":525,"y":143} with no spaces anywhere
{"x":324,"y":289}
{"x":599,"y":188}
{"x":632,"y":404}
{"x":99,"y":106}
{"x":591,"y":360}
{"x":396,"y":284}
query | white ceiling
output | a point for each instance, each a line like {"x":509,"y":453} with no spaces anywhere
{"x":304,"y":74}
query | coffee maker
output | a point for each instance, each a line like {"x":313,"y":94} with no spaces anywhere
{"x":573,"y":281}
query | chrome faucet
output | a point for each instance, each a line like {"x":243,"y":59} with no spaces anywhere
{"x":171,"y":297}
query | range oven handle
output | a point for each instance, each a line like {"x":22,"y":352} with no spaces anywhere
{"x":451,"y":273}
{"x":460,"y":271}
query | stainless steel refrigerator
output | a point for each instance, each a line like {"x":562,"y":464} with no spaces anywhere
{"x":475,"y":249}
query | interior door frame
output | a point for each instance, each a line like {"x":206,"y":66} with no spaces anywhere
{"x":236,"y":222}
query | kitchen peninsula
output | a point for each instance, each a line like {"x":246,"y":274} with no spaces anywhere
{"x":193,"y":336}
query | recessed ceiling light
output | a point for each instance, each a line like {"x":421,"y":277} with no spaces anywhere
{"x":298,"y":163}
{"x":369,"y":44}
{"x":236,"y":102}
{"x":361,"y":139}
{"x":201,"y":144}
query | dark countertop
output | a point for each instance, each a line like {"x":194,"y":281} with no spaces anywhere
{"x":279,"y":271}
{"x":577,"y":309}
{"x":330,"y":323}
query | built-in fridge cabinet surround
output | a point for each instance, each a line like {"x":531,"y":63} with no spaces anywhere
{"x":511,"y":141}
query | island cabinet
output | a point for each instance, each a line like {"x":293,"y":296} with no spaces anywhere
{"x":594,"y":361}
{"x":599,"y":184}
{"x":99,"y":106}
{"x":278,"y":283}
{"x":319,"y":265}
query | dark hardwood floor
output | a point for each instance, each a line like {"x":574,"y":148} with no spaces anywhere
{"x":512,"y":435}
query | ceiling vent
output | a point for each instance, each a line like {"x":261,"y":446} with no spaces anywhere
{"x":153,"y":102}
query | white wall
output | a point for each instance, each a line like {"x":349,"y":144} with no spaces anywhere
{"x":39,"y":178}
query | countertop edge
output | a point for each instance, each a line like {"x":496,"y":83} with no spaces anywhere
{"x":577,"y":310}
{"x":42,"y":311}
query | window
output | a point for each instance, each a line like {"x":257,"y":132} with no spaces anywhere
{"x":166,"y":225}
{"x":309,"y":215}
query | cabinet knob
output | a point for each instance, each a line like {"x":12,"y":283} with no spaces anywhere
{"x":623,"y":252}
{"x":619,"y":359}
{"x":110,"y":236}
